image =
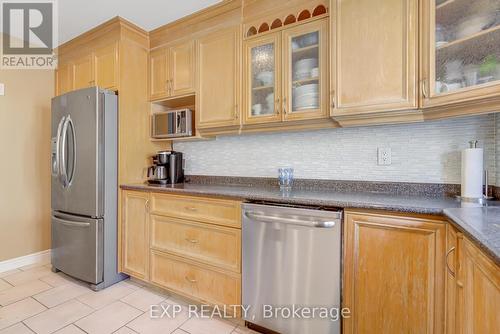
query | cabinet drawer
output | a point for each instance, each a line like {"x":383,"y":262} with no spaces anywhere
{"x":215,"y":245}
{"x":192,"y":280}
{"x":214,"y":211}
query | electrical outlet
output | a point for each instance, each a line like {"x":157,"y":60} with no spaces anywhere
{"x":384,"y":156}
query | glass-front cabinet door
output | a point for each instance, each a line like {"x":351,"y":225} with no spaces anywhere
{"x":461,"y":50}
{"x":305,"y":67}
{"x":262,"y":79}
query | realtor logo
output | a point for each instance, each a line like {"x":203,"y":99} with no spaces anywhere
{"x":29,"y":31}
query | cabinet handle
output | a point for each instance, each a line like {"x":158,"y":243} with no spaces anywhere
{"x":167,"y":86}
{"x":190,"y":280}
{"x":147,"y":205}
{"x":424,"y":88}
{"x":193,"y":241}
{"x":284,"y":105}
{"x":236,"y":113}
{"x":452,"y":249}
{"x":171,"y":86}
{"x":189,"y":208}
{"x":278,"y":106}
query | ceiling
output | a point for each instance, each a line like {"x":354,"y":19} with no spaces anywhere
{"x":78,"y":16}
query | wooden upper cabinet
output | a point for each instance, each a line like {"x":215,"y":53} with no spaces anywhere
{"x":218,"y":69}
{"x":135,"y":233}
{"x":394,"y":273}
{"x":460,"y":53}
{"x":374,"y":50}
{"x":479,"y":293}
{"x":305,"y":71}
{"x":262,"y":86}
{"x":83,"y":73}
{"x":181,"y":71}
{"x":172,"y":70}
{"x":106,"y":67}
{"x":158,"y":73}
{"x":64,"y":78}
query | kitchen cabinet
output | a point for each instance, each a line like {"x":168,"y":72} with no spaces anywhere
{"x":286,"y":74}
{"x":460,"y":54}
{"x":374,"y":53}
{"x":106,"y":67}
{"x":218,"y":69}
{"x":478,"y":291}
{"x":452,"y":285}
{"x":135,"y":234}
{"x":394,"y":273}
{"x":172,"y":70}
{"x":64,"y":78}
{"x":83,"y":75}
{"x":186,"y":244}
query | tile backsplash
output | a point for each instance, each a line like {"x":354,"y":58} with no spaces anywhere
{"x":421,"y":152}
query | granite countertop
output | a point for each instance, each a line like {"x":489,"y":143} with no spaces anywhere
{"x":329,"y":198}
{"x":482,"y":224}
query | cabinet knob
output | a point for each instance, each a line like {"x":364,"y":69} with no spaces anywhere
{"x":190,"y":208}
{"x":284,"y":105}
{"x":277,"y":106}
{"x":193,"y":241}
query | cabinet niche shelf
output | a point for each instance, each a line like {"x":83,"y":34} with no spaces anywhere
{"x":468,"y":38}
{"x":306,"y":48}
{"x":307,"y":80}
{"x":262,"y":87}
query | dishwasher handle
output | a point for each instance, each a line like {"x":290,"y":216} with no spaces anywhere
{"x":273,"y":219}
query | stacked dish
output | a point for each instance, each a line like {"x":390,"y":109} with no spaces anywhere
{"x":306,"y":97}
{"x":302,"y":68}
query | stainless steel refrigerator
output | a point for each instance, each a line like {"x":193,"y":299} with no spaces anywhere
{"x":85,"y":186}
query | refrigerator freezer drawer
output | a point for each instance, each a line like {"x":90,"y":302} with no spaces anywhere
{"x":77,"y":246}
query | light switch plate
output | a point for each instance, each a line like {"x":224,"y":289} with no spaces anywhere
{"x":384,"y":156}
{"x":2,"y":89}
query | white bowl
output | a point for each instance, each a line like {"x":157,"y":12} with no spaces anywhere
{"x":305,"y":65}
{"x":474,"y":24}
{"x":307,"y":89}
{"x":266,"y":77}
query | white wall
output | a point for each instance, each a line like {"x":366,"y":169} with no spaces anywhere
{"x":422,"y":152}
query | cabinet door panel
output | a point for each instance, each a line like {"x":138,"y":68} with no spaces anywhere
{"x":393,"y":274}
{"x":460,"y":51}
{"x":158,"y":86}
{"x":263,"y":79}
{"x":182,"y":68}
{"x":135,"y":234}
{"x":64,"y":78}
{"x":218,"y":79}
{"x":375,"y":55}
{"x":106,"y":67}
{"x":480,"y":301}
{"x":83,"y":76}
{"x":305,"y":71}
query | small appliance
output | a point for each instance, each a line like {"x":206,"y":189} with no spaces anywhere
{"x":166,"y":169}
{"x":172,"y":124}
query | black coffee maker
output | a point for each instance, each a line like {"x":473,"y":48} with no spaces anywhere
{"x":166,"y":169}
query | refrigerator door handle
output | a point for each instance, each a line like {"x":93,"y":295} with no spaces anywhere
{"x":70,"y":223}
{"x":69,"y":179}
{"x":58,"y":148}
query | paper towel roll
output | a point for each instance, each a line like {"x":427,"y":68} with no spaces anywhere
{"x":472,"y":173}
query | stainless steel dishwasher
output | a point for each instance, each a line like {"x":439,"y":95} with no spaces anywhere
{"x":291,"y":259}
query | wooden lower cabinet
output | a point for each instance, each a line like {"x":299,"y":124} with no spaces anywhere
{"x":186,"y":244}
{"x":394,"y":273}
{"x":477,"y":290}
{"x":192,"y":279}
{"x":135,"y":234}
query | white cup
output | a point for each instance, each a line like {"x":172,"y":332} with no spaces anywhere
{"x":257,"y":109}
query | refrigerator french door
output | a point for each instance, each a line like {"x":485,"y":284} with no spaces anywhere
{"x":85,"y":185}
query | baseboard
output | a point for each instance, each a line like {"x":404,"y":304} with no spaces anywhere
{"x":42,"y":257}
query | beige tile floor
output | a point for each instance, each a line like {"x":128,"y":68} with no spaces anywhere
{"x":33,"y":299}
